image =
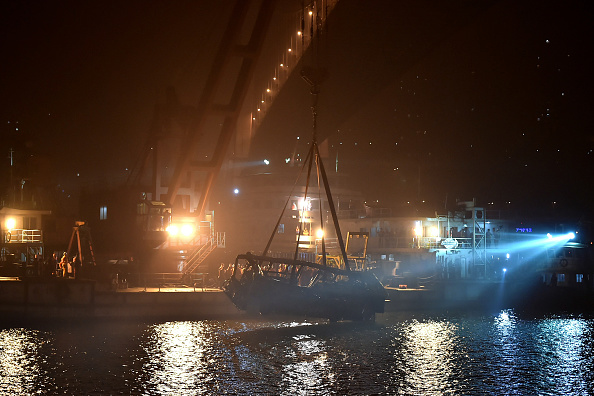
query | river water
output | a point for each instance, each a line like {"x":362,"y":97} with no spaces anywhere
{"x":400,"y":354}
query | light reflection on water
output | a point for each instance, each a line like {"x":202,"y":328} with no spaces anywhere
{"x":565,"y":347}
{"x":431,"y":349}
{"x":178,"y":357}
{"x":404,"y":354}
{"x":19,"y":366}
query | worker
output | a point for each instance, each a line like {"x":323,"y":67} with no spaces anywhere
{"x":64,"y":265}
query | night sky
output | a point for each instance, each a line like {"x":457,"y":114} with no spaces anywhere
{"x":423,"y":101}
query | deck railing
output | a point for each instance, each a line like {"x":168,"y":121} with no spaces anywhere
{"x":392,"y":242}
{"x":16,"y":235}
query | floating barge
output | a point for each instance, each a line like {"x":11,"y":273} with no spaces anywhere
{"x":55,"y":299}
{"x":38,"y":299}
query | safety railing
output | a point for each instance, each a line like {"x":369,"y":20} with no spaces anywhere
{"x":197,"y":256}
{"x":23,"y":236}
{"x":166,"y":279}
{"x":392,"y":242}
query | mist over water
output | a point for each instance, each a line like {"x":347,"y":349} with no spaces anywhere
{"x":402,"y":353}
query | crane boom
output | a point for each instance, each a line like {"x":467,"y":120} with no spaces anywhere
{"x":228,"y":113}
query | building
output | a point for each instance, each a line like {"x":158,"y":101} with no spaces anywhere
{"x":22,"y":239}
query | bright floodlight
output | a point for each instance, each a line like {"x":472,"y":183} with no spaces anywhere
{"x":571,"y":235}
{"x":10,"y":223}
{"x":505,"y":270}
{"x":266,"y":162}
{"x":418,"y":230}
{"x":549,"y":235}
{"x":187,"y":230}
{"x":319,"y":233}
{"x":173,"y":230}
{"x":236,"y":191}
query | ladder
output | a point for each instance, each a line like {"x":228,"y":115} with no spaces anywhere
{"x":200,"y":253}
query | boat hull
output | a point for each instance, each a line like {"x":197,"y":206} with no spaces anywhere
{"x":344,"y":296}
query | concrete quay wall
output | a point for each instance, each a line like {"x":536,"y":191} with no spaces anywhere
{"x":66,"y":298}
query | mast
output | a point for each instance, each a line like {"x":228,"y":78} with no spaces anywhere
{"x":313,"y":78}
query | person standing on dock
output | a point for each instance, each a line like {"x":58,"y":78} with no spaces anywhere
{"x":166,"y":220}
{"x":64,"y":265}
{"x":50,"y":266}
{"x":76,"y":267}
{"x":36,"y":266}
{"x":496,"y":236}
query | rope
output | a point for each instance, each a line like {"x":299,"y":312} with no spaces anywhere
{"x":285,"y":207}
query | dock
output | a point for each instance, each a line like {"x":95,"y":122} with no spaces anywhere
{"x":57,"y":299}
{"x":68,"y":298}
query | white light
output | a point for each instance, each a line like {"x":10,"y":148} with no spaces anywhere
{"x":320,"y":233}
{"x":418,"y":230}
{"x":505,"y":270}
{"x":304,"y":204}
{"x":507,"y":255}
{"x":173,"y":230}
{"x":10,"y":223}
{"x":266,"y":162}
{"x":187,"y":230}
{"x":236,"y":191}
{"x":571,"y":235}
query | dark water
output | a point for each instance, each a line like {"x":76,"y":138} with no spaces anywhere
{"x":401,"y":354}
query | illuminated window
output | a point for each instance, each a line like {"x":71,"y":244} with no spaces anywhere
{"x":304,"y":204}
{"x":281,"y":229}
{"x":561,"y":278}
{"x":103,"y":213}
{"x":579,"y":278}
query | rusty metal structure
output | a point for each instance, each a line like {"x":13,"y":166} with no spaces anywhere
{"x":187,"y":143}
{"x":227,"y":112}
{"x":219,"y":107}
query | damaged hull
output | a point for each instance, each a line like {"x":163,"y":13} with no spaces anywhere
{"x":291,"y":287}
